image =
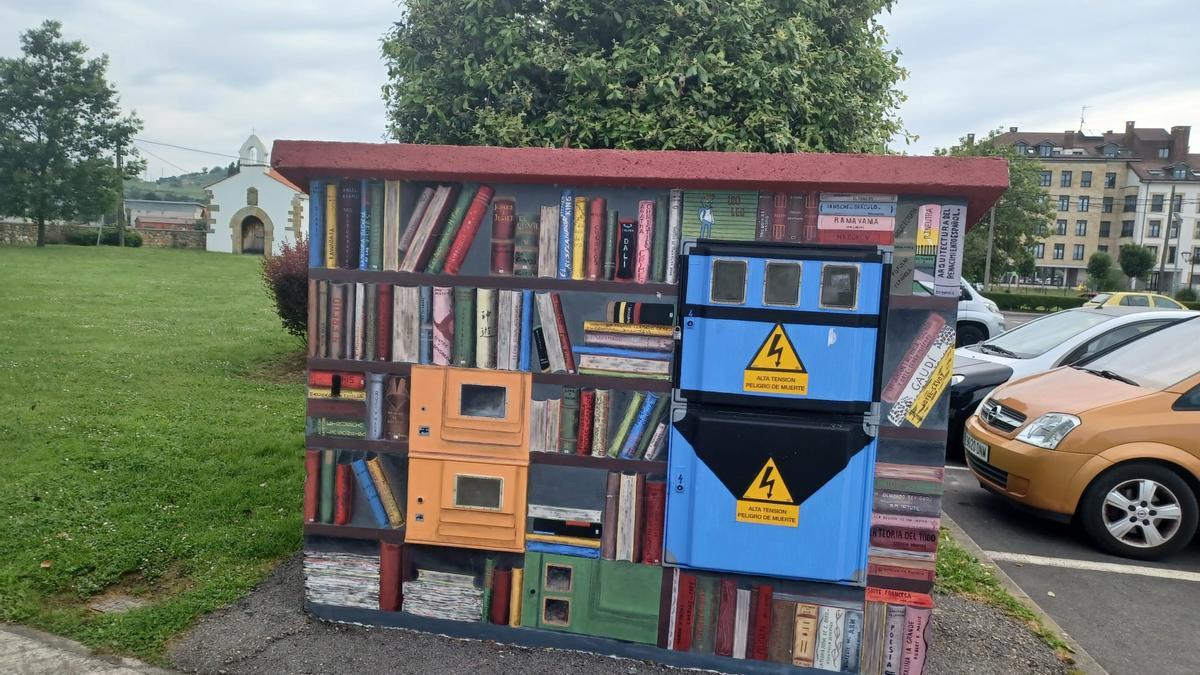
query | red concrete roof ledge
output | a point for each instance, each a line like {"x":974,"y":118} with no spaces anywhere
{"x":979,"y":180}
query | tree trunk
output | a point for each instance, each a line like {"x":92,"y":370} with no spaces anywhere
{"x":41,"y":240}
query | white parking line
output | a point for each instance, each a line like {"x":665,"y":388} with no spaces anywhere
{"x":1178,"y":575}
{"x":956,"y":467}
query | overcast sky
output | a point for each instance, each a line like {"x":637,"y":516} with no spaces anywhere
{"x":202,"y":75}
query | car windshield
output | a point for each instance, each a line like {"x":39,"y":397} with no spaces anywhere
{"x":1041,"y":335}
{"x":1158,"y":360}
{"x":1099,"y":298}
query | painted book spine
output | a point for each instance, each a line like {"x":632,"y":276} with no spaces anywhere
{"x":657,"y":413}
{"x":443,"y":325}
{"x":485,"y":328}
{"x":804,"y":645}
{"x":337,"y":328}
{"x":654,"y":313}
{"x":371,"y":323}
{"x":548,"y":242}
{"x":631,"y":411}
{"x":390,"y":576}
{"x":391,"y":225}
{"x":594,"y":248}
{"x":916,"y":639}
{"x":513,"y":328}
{"x":893,"y":652}
{"x":425,"y":316}
{"x":453,"y":225}
{"x":587,"y":407}
{"x":579,"y":238}
{"x":778,"y":216}
{"x":608,"y":529}
{"x":386,"y":495}
{"x":852,"y":641}
{"x":526,"y":339}
{"x":395,"y":420}
{"x":504,"y":215}
{"x":343,"y":500}
{"x":313,"y":333}
{"x":600,"y":416}
{"x":566,"y":228}
{"x":360,"y":320}
{"x":762,"y":218}
{"x":364,"y":225}
{"x":406,"y":308}
{"x":363,"y":477}
{"x":489,"y":585}
{"x":543,"y":353}
{"x":793,"y":231}
{"x":414,"y":222}
{"x":685,"y":622}
{"x":564,"y":337}
{"x":463,"y":351}
{"x":503,"y":335}
{"x":501,"y":590}
{"x":674,"y":235}
{"x":658,"y":241}
{"x":554,"y":355}
{"x":628,"y":328}
{"x":643,"y":342}
{"x":810,"y":217}
{"x":741,"y":622}
{"x":639,"y":425}
{"x":626,"y":250}
{"x":658,"y":441}
{"x":568,"y":420}
{"x":514,"y":596}
{"x":726,"y":614}
{"x":704,"y":625}
{"x":331,"y":228}
{"x":611,"y":227}
{"x":652,"y":534}
{"x":830,"y":626}
{"x":375,"y":405}
{"x":383,"y":315}
{"x":312,"y":485}
{"x":430,"y":229}
{"x":316,"y":223}
{"x":525,"y":248}
{"x":349,"y":209}
{"x":326,"y":378}
{"x":645,"y":238}
{"x":328,"y":469}
{"x":783,"y":624}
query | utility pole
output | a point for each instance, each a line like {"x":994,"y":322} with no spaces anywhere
{"x":120,"y":200}
{"x":1162,"y":259}
{"x":987,"y":262}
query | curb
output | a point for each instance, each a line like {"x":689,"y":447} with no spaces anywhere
{"x":1083,"y":660}
{"x":63,"y":649}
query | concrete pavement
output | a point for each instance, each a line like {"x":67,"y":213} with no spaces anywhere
{"x":24,"y":651}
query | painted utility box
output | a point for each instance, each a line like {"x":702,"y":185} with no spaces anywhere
{"x":680,"y":406}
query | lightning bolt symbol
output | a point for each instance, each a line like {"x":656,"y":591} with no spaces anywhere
{"x":767,"y":482}
{"x":775,"y":349}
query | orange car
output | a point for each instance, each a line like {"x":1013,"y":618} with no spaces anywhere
{"x":1112,"y":442}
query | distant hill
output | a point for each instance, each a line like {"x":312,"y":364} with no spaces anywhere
{"x":184,"y":187}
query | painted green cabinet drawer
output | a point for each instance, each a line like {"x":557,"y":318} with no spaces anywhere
{"x":606,"y":598}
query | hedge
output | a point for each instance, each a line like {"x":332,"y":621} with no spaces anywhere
{"x":1031,"y":302}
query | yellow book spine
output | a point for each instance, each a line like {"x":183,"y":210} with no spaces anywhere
{"x":346,"y":394}
{"x":516,"y":591}
{"x":331,"y":224}
{"x":579,"y":237}
{"x":628,"y":328}
{"x":384,"y":487}
{"x":559,"y":539}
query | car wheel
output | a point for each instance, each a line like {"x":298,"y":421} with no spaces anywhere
{"x":1139,"y":510}
{"x":969,"y":334}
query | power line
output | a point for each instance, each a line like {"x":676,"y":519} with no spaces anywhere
{"x":180,"y":147}
{"x":166,"y":161}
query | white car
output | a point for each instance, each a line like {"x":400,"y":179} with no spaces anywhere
{"x":978,"y":317}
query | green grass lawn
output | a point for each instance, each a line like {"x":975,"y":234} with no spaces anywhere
{"x":146,"y":445}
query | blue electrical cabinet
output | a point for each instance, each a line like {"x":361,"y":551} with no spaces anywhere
{"x":772,"y":445}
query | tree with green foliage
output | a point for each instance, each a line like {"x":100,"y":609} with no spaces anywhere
{"x":1022,"y":214}
{"x":60,"y":127}
{"x":1136,"y":261}
{"x":779,"y":76}
{"x":1100,"y":264}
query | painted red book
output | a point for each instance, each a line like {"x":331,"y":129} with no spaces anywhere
{"x":779,"y":216}
{"x":652,"y":534}
{"x":882,"y":237}
{"x":326,"y":378}
{"x":314,"y":331}
{"x":343,"y":494}
{"x":760,"y":622}
{"x":639,"y":516}
{"x":645,"y":238}
{"x":793,"y":231}
{"x":595,"y":238}
{"x":811,"y":204}
{"x":685,"y":612}
{"x":468,"y":229}
{"x":504,"y":232}
{"x":312,"y":484}
{"x":383,"y":336}
{"x":726,"y":611}
{"x":501,"y":590}
{"x":331,"y":407}
{"x":762,"y":217}
{"x":587,"y":408}
{"x":391,"y":576}
{"x":563,"y":337}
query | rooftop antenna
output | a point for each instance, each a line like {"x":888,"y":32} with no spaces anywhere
{"x":1082,"y":112}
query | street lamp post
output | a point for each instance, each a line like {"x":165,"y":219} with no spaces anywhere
{"x":1189,"y":259}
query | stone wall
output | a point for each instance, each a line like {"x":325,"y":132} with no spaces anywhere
{"x":154,"y":238}
{"x":19,"y":233}
{"x":13,"y":233}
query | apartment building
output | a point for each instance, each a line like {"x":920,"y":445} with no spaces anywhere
{"x":1111,"y":189}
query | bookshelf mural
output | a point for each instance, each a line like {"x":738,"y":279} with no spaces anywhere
{"x":690,"y":421}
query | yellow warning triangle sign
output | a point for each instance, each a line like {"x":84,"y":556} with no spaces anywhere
{"x":768,"y":485}
{"x":777,"y":353}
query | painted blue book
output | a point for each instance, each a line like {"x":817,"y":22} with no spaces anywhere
{"x":623,"y":353}
{"x":363,"y":478}
{"x":566,"y":232}
{"x":562,"y":549}
{"x":425,"y":353}
{"x":526,"y":340}
{"x":316,"y":223}
{"x":364,"y":229}
{"x":639,"y":426}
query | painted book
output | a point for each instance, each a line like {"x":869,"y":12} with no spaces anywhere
{"x":594,"y":240}
{"x":741,"y":622}
{"x":600,"y":418}
{"x":618,"y":439}
{"x":525,"y":344}
{"x":443,"y":325}
{"x":313,"y":331}
{"x":628,"y":328}
{"x":406,"y":334}
{"x":395,"y":416}
{"x":719,"y":214}
{"x":463,"y":349}
{"x":425,"y":238}
{"x":425,"y":317}
{"x":504,"y":216}
{"x":587,"y":407}
{"x":609,"y":262}
{"x":328,"y":470}
{"x":726,"y":616}
{"x":566,"y":233}
{"x":362,"y":476}
{"x":579,"y":237}
{"x":762,"y":216}
{"x":793,"y":225}
{"x":386,"y":495}
{"x":608,"y":531}
{"x":454,"y":222}
{"x":893,"y":659}
{"x":504,"y":306}
{"x":375,"y":406}
{"x":485,"y":328}
{"x":658,"y":241}
{"x":564,"y":337}
{"x":626,"y":250}
{"x":568,"y":421}
{"x":852,"y":640}
{"x":384,"y":303}
{"x":804,"y":641}
{"x":312,"y":485}
{"x":316,"y":224}
{"x":778,"y":216}
{"x":916,"y":639}
{"x":548,"y":242}
{"x":371,"y":323}
{"x":783,"y":624}
{"x":337,"y":320}
{"x":364,"y":225}
{"x":349,"y":209}
{"x":655,"y":509}
{"x":525,"y":247}
{"x":657,"y":416}
{"x":336,"y":379}
{"x":704,"y":625}
{"x":343,"y":497}
{"x":391,"y":225}
{"x":376,"y":205}
{"x":638,"y":426}
{"x":645,"y":238}
{"x":830,"y":635}
{"x":674,"y":235}
{"x":658,"y":442}
{"x":413,"y":224}
{"x":554,"y":351}
{"x":391,"y":572}
{"x":501,"y":590}
{"x":685,"y":611}
{"x":331,"y":228}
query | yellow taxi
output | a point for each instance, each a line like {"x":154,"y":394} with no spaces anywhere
{"x":1133,"y":299}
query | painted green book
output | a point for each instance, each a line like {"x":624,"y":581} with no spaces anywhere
{"x":453,"y":223}
{"x":568,"y":421}
{"x":463,"y":349}
{"x":719,"y":214}
{"x":658,"y":246}
{"x":375,"y":218}
{"x":631,"y":410}
{"x":656,"y":415}
{"x":609,"y":264}
{"x":328,"y":465}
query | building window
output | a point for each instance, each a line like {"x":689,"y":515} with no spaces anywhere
{"x":1103,"y":248}
{"x":1039,"y":251}
{"x":1044,"y":179}
{"x":1172,"y":231}
{"x":1163,"y":153}
{"x":1085,"y":179}
{"x":1126,"y":228}
{"x":1170,"y":255}
{"x":1153,"y":251}
{"x":1107,"y":205}
{"x":1043,"y":230}
{"x":1177,"y":203}
{"x":1022,"y":148}
{"x":1179,"y":173}
{"x":1077,"y":252}
{"x":1110,"y":150}
{"x":1064,"y":180}
{"x":1045,"y":150}
{"x":1081,"y":228}
{"x":1130,"y":203}
{"x":1062,"y":228}
{"x":1060,"y":251}
{"x":1155,"y":229}
{"x":1084,"y":203}
{"x":1105,"y":228}
{"x":1110,"y":179}
{"x":251,"y":196}
{"x":1156,"y":203}
{"x":1064,"y":202}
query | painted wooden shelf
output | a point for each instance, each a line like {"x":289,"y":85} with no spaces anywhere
{"x":618,"y":288}
{"x":353,"y":532}
{"x":562,"y":379}
{"x":588,"y":461}
{"x":341,"y":443}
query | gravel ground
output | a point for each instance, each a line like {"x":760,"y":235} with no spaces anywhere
{"x":267,"y":632}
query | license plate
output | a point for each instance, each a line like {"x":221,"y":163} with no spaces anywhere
{"x":976,"y":447}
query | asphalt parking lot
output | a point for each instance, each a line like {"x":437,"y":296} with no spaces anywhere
{"x":1133,"y":617}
